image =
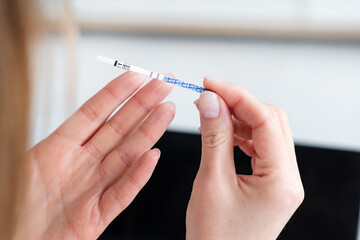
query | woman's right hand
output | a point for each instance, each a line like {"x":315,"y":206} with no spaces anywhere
{"x":224,"y":205}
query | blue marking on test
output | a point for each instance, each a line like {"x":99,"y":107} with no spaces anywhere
{"x":185,"y":84}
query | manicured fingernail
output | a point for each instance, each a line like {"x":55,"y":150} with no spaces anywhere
{"x":197,"y":102}
{"x":213,"y":78}
{"x":209,"y":105}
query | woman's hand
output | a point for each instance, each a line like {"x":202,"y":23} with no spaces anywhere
{"x":89,"y":170}
{"x":224,"y":205}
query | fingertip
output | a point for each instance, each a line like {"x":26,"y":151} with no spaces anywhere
{"x":206,"y":83}
{"x":170,"y":75}
{"x":171,"y":107}
{"x":209,"y":82}
{"x":164,"y":113}
{"x":171,"y":86}
{"x":159,"y":87}
{"x":135,"y":76}
{"x":168,"y":85}
{"x":157,"y":153}
{"x":213,"y":79}
{"x":148,"y":161}
{"x":129,"y":79}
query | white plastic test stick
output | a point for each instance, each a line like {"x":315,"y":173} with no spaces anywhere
{"x":151,"y":74}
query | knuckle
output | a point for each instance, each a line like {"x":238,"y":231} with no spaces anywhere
{"x":110,"y":91}
{"x":142,"y":103}
{"x":240,"y":89}
{"x":124,"y":200}
{"x":282,"y":114}
{"x":93,"y":150}
{"x":292,"y":196}
{"x":119,"y":198}
{"x":283,"y":194}
{"x":134,"y":183}
{"x":300,"y":195}
{"x":273,"y":115}
{"x":277,"y":113}
{"x":116,"y":125}
{"x":125,"y":157}
{"x":90,"y":109}
{"x":214,"y":137}
{"x":104,"y":173}
{"x":295,"y":196}
{"x":146,"y":134}
{"x":240,"y":98}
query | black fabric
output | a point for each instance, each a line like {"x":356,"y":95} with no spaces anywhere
{"x":330,"y":210}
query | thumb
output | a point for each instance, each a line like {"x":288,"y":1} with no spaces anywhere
{"x":216,"y":134}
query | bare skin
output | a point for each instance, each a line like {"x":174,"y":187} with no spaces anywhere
{"x":88,"y":171}
{"x":224,"y":205}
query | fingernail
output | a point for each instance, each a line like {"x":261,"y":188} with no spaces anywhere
{"x":213,"y":78}
{"x":209,"y":105}
{"x":196,"y":102}
{"x":173,"y":105}
{"x":158,"y":152}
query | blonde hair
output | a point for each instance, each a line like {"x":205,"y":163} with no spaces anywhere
{"x":21,"y":22}
{"x":14,"y":97}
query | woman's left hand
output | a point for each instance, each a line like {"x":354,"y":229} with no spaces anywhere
{"x":89,"y":170}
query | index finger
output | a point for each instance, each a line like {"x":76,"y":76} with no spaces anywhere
{"x":93,"y":113}
{"x":266,"y":132}
{"x":243,"y":104}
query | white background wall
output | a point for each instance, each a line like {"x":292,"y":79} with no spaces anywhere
{"x":331,"y":14}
